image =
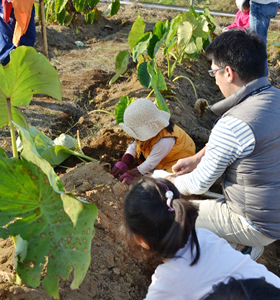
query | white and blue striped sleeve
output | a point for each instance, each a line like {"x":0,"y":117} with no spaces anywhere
{"x":230,"y":139}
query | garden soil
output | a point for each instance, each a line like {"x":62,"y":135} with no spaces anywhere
{"x":85,"y":69}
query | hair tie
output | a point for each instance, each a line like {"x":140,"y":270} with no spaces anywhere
{"x":169,"y":196}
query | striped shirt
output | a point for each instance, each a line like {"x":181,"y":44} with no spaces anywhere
{"x":230,"y":139}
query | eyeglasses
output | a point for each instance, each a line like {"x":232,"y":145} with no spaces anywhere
{"x":213,"y":72}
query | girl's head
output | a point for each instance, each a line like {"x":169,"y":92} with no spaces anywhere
{"x":143,"y":120}
{"x":243,"y":5}
{"x":155,"y":214}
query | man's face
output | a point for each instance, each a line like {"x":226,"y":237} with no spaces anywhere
{"x":221,"y":80}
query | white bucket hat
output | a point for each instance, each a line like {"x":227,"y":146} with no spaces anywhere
{"x":143,"y":120}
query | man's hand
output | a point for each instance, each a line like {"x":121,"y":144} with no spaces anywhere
{"x":185,"y":165}
{"x":188,"y":164}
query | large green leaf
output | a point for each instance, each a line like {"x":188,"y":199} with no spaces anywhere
{"x":141,"y":45}
{"x":57,"y":151}
{"x":122,"y":60}
{"x":137,"y":30}
{"x":143,"y":75}
{"x":185,"y":32}
{"x":121,"y":107}
{"x":27,"y":73}
{"x":57,"y":228}
{"x":172,"y":28}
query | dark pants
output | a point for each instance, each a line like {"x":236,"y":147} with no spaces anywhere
{"x":6,"y":35}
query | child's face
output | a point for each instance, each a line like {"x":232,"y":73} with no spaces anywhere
{"x":245,"y":9}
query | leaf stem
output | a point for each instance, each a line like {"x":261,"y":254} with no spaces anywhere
{"x":12,"y":128}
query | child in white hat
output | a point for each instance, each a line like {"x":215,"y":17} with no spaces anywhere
{"x":158,"y":142}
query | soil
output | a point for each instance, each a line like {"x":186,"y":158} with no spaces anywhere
{"x":84,"y":72}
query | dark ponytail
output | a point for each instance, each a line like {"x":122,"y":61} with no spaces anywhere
{"x":148,"y":216}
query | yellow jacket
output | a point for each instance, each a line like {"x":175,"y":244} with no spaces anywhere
{"x":183,"y":147}
{"x":22,"y":11}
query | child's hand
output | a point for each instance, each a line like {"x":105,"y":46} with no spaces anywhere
{"x":130,"y":176}
{"x":119,"y":168}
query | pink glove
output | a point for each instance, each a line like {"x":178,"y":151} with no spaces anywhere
{"x":130,"y":176}
{"x":7,"y":8}
{"x":122,"y":166}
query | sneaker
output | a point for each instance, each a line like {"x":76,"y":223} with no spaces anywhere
{"x":254,"y":252}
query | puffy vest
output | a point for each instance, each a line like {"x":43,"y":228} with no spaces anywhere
{"x":183,"y":147}
{"x":252,"y":184}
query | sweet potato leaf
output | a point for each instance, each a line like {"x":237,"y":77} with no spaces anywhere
{"x":56,"y":226}
{"x":27,"y":73}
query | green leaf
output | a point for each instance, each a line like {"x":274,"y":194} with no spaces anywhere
{"x":115,"y":7}
{"x":61,"y":17}
{"x":60,"y":5}
{"x":159,"y":29}
{"x":160,"y":101}
{"x":80,"y":5}
{"x":158,"y":83}
{"x":93,"y":3}
{"x":55,"y":226}
{"x":91,"y":16}
{"x":185,"y":32}
{"x":122,"y":60}
{"x":212,"y":24}
{"x":57,"y":151}
{"x":17,"y":116}
{"x":191,"y":47}
{"x":172,"y":30}
{"x":141,"y":45}
{"x":201,"y":28}
{"x":27,"y":73}
{"x":137,"y":30}
{"x":143,"y":75}
{"x":121,"y":107}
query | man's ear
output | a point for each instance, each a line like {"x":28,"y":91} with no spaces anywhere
{"x":140,"y":241}
{"x":230,"y":74}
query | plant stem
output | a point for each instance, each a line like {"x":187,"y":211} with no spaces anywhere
{"x":181,"y":76}
{"x":151,"y":92}
{"x":12,"y":128}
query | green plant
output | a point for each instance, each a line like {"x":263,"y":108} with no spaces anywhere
{"x":185,"y":35}
{"x":64,"y":11}
{"x":55,"y":151}
{"x":52,"y":229}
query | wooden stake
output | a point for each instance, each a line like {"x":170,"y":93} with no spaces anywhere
{"x":43,"y":28}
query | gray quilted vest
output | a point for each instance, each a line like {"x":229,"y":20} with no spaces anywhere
{"x":252,"y":185}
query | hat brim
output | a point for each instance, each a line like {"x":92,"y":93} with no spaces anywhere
{"x":148,"y":130}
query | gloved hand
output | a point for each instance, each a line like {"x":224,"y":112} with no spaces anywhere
{"x":122,"y":166}
{"x":130,"y":176}
{"x":7,"y":8}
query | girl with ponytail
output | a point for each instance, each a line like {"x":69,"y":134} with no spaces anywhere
{"x":163,"y":223}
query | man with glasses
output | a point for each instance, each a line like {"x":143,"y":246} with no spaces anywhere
{"x":243,"y":148}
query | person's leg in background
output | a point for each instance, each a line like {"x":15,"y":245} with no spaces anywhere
{"x":260,"y":16}
{"x":216,"y":216}
{"x":6,"y":37}
{"x":28,"y":39}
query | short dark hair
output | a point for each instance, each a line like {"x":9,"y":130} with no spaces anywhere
{"x":244,"y":289}
{"x":242,"y":50}
{"x":147,"y":215}
{"x":246,"y":4}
